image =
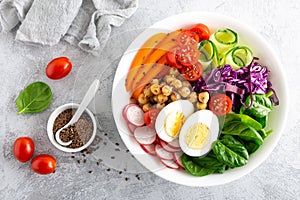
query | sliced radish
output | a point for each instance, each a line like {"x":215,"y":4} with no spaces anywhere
{"x":134,"y":115}
{"x":168,"y":148}
{"x":177,"y":158}
{"x":174,"y":144}
{"x":170,"y":164}
{"x":125,"y":110}
{"x":144,"y":135}
{"x":150,"y":149}
{"x":163,"y":154}
{"x":131,"y":127}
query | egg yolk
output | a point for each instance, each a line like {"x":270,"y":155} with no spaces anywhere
{"x":196,"y":136}
{"x":173,"y":123}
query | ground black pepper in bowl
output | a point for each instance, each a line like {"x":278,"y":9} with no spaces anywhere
{"x":79,"y":132}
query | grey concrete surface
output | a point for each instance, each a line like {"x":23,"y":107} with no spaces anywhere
{"x":81,"y":175}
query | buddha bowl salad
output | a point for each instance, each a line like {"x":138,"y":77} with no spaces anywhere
{"x":199,"y":100}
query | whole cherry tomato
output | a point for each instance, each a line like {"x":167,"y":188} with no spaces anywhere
{"x":58,"y":68}
{"x":23,"y":148}
{"x":43,"y":164}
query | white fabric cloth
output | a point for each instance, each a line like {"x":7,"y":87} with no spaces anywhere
{"x":86,"y":24}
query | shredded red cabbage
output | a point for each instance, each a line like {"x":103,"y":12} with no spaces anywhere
{"x":237,"y":84}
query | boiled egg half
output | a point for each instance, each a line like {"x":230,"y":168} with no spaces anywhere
{"x":171,"y":119}
{"x":198,"y":133}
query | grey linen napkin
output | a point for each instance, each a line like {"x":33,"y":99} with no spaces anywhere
{"x":47,"y":21}
{"x":86,"y":24}
{"x":12,"y":12}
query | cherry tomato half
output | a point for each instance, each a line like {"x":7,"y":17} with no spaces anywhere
{"x":192,"y":73}
{"x":202,"y":31}
{"x":172,"y":58}
{"x":43,"y":164}
{"x":58,"y":68}
{"x":23,"y":148}
{"x":150,"y":117}
{"x":220,"y":104}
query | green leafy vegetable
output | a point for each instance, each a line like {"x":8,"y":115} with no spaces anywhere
{"x":210,"y":161}
{"x":261,"y":107}
{"x":193,"y":168}
{"x":242,"y":130}
{"x":244,"y":119}
{"x":230,"y":151}
{"x":35,"y":98}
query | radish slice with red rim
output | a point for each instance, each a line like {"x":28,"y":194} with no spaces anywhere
{"x":162,"y":153}
{"x":168,"y":148}
{"x":177,"y":158}
{"x":150,"y":149}
{"x":131,"y":127}
{"x":170,"y":164}
{"x":144,"y":135}
{"x":134,"y":115}
{"x":174,"y":144}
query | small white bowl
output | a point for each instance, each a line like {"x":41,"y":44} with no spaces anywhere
{"x":50,"y":124}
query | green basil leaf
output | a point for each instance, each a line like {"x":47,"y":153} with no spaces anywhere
{"x":35,"y":98}
{"x":230,"y":151}
{"x":193,"y":168}
{"x":261,"y":107}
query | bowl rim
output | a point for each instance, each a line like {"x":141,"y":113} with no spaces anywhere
{"x":50,"y":124}
{"x":230,"y":175}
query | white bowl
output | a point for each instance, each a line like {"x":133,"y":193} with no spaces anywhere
{"x":261,"y":49}
{"x":50,"y":124}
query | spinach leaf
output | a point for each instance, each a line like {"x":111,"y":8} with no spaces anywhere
{"x":230,"y":151}
{"x":36,"y":97}
{"x":251,"y":147}
{"x":262,"y":120}
{"x":193,"y":168}
{"x":210,"y":161}
{"x":243,"y":118}
{"x":261,"y":107}
{"x":242,"y":130}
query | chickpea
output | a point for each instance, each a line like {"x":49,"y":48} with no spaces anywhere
{"x":166,"y":90}
{"x":160,"y":105}
{"x":142,"y":99}
{"x":162,"y":84}
{"x":192,"y":97}
{"x":176,"y":83}
{"x":201,"y":106}
{"x":186,"y":84}
{"x":161,"y":98}
{"x":184,"y":92}
{"x":146,"y":107}
{"x":155,"y":89}
{"x":175,"y":97}
{"x":155,"y":81}
{"x":169,"y":79}
{"x":147,"y":92}
{"x":155,"y":98}
{"x":203,"y":97}
{"x":173,"y":71}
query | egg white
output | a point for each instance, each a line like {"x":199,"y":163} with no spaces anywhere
{"x":184,"y":106}
{"x":209,"y":119}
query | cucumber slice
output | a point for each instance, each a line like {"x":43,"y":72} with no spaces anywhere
{"x":237,"y":57}
{"x":224,"y":39}
{"x":208,"y":55}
